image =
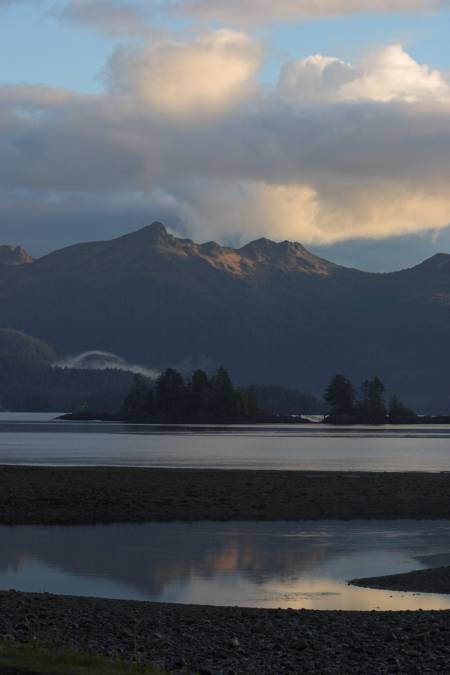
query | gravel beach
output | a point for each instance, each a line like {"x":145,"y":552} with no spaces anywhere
{"x":226,"y":641}
{"x":223,"y":641}
{"x":75,"y":495}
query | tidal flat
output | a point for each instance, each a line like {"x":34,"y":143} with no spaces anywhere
{"x":224,"y":640}
{"x":32,"y":495}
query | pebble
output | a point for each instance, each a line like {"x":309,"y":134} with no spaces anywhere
{"x":210,"y":640}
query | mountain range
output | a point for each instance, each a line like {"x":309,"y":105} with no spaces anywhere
{"x":272,"y":313}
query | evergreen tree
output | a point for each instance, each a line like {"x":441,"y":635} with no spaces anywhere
{"x":223,"y":401}
{"x":248,"y":402}
{"x":150,"y":404}
{"x":135,"y":403}
{"x":199,"y":394}
{"x":399,"y":413}
{"x":340,"y":396}
{"x":372,"y":407}
{"x":171,"y":395}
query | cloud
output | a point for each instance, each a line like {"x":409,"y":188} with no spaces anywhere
{"x":375,"y":210}
{"x":336,"y":152}
{"x":193,"y":78}
{"x":389,"y":74}
{"x":386,"y":255}
{"x":145,"y":18}
{"x":114,"y":17}
{"x":250,"y":12}
{"x":316,"y":79}
{"x":100,"y":360}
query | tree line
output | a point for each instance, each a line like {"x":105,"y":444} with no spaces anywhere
{"x":27,"y":386}
{"x":370,"y":408}
{"x":197,"y":398}
{"x":200,"y":397}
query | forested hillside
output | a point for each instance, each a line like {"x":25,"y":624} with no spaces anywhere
{"x":273,"y":312}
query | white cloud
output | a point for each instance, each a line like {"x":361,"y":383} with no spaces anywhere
{"x":339,"y":151}
{"x":193,"y":78}
{"x":389,"y":74}
{"x":315,"y":79}
{"x":374,"y":209}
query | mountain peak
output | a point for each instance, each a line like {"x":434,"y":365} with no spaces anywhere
{"x":286,"y":255}
{"x":261,"y":256}
{"x":14,"y":255}
{"x":154,"y":233}
{"x":156,"y":227}
{"x":266,"y":248}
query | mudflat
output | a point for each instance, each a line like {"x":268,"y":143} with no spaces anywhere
{"x":78,"y":495}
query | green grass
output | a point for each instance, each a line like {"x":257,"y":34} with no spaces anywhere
{"x":66,"y":662}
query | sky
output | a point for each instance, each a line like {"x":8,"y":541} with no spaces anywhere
{"x":320,"y":121}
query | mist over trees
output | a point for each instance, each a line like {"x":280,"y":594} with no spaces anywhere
{"x":29,"y":380}
{"x":33,"y":377}
{"x":370,"y":408}
{"x":26,"y":386}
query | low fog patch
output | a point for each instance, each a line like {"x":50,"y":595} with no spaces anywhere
{"x":99,"y":360}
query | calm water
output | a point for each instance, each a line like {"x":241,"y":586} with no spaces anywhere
{"x":39,"y":439}
{"x":247,"y":564}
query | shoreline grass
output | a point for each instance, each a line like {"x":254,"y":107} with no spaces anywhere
{"x":36,"y":659}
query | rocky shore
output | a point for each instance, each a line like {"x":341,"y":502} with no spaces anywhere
{"x":227,"y":641}
{"x":223,"y":641}
{"x":79,"y":495}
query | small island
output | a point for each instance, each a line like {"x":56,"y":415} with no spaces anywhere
{"x":201,"y":398}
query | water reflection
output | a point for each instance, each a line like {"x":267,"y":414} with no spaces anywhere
{"x":249,"y":564}
{"x":37,"y":439}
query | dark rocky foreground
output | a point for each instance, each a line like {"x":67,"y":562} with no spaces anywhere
{"x":434,"y":580}
{"x":184,"y":638}
{"x":189,"y":639}
{"x":49,"y":495}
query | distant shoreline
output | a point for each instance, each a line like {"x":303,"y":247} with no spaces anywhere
{"x":115,"y":417}
{"x":91,"y":495}
{"x":287,"y":419}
